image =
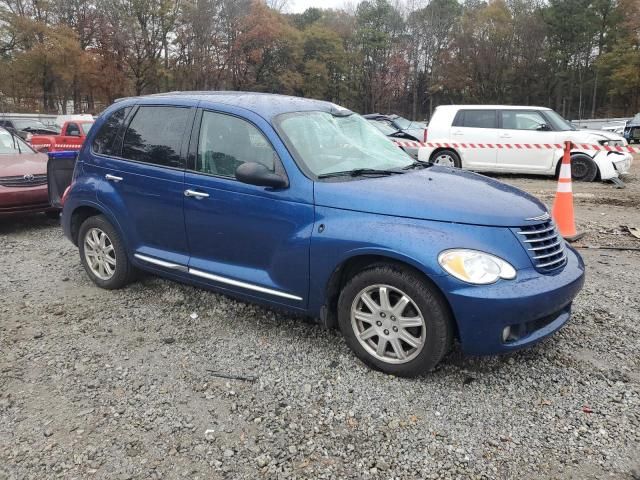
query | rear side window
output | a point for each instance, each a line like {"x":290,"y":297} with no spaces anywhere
{"x":155,"y":135}
{"x":226,"y":142}
{"x":105,"y":141}
{"x":476,"y":119}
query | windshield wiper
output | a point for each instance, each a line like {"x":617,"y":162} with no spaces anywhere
{"x":358,"y":172}
{"x":418,"y":164}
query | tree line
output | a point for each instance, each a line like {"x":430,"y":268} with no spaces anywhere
{"x":581,"y":57}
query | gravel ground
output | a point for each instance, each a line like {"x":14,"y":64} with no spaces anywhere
{"x":126,"y":384}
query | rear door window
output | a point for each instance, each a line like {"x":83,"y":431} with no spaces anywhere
{"x":155,"y":135}
{"x":105,"y":141}
{"x":476,"y":119}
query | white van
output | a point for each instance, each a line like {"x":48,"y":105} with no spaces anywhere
{"x":501,"y":124}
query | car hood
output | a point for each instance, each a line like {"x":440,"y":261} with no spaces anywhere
{"x":23,"y":164}
{"x":587,"y":135}
{"x":437,"y":193}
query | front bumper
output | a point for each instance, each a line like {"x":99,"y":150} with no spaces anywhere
{"x":622,"y":163}
{"x":18,"y":201}
{"x":534,"y":305}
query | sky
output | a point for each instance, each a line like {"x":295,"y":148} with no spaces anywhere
{"x":299,"y":6}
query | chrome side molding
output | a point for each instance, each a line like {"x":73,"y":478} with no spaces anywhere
{"x":216,"y":278}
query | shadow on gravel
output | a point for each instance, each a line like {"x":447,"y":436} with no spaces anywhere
{"x":27,"y":223}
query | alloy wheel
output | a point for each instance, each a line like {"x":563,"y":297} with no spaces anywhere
{"x":445,"y":160}
{"x":99,"y":254}
{"x":388,"y":324}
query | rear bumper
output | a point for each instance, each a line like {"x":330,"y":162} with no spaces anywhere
{"x":533,"y":305}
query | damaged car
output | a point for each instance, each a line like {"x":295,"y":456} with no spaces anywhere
{"x":305,"y":206}
{"x":520,"y":127}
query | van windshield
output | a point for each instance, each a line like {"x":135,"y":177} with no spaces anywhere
{"x":558,"y":122}
{"x":324,"y":143}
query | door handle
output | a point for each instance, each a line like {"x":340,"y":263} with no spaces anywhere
{"x":505,"y":135}
{"x":457,"y":133}
{"x":113,"y":178}
{"x":195,"y":194}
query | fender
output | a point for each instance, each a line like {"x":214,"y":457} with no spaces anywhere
{"x":605,"y":166}
{"x":72,"y":204}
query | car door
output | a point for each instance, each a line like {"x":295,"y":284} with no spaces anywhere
{"x":71,"y":137}
{"x":521,"y":128}
{"x":141,"y":181}
{"x":476,"y":127}
{"x":247,"y":239}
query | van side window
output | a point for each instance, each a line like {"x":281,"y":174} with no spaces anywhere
{"x":522,"y":120}
{"x":104,"y":142}
{"x":476,"y":119}
{"x":226,"y":142}
{"x":155,"y":135}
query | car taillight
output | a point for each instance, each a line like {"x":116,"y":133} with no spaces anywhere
{"x":425,"y":135}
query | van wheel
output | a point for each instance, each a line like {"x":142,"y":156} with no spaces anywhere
{"x":583,"y":168}
{"x":447,"y":158}
{"x":103,"y":255}
{"x":395,"y":321}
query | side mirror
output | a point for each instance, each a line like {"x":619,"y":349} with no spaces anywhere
{"x":74,"y":133}
{"x":257,"y":174}
{"x":543,"y":127}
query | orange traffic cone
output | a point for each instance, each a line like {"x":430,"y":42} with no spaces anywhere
{"x":563,"y":205}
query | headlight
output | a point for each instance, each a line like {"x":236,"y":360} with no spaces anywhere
{"x":475,"y":267}
{"x":604,"y":143}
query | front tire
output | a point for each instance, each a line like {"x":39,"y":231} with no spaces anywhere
{"x":447,"y":158}
{"x":394,"y":320}
{"x":103,"y":255}
{"x":583,"y":168}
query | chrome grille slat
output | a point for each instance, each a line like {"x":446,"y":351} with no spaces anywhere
{"x":544,"y":245}
{"x":531,"y":232}
{"x":21,"y":181}
{"x":547,"y":255}
{"x":559,"y":260}
{"x":535,"y":249}
{"x":550,"y":237}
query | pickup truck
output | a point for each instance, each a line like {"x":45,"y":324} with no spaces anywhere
{"x":71,"y":137}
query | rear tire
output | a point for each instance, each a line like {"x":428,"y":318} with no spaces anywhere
{"x":447,"y":158}
{"x":583,"y":168}
{"x":103,"y":254}
{"x":395,"y":321}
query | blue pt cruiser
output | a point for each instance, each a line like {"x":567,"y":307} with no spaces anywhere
{"x":303,"y":205}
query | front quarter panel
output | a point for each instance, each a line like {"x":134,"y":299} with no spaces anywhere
{"x":340,"y":235}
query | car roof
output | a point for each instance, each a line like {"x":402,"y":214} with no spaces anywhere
{"x":267,"y":105}
{"x":492,"y":107}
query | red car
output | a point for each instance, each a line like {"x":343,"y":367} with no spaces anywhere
{"x":23,"y":178}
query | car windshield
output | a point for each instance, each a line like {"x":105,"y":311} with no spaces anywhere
{"x":30,"y":124}
{"x":326,"y":143}
{"x":558,"y":122}
{"x":384,"y":127}
{"x":636,"y":119}
{"x":12,"y":144}
{"x":403,"y":123}
{"x":86,"y":126}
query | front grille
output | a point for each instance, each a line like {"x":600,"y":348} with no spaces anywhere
{"x":24,"y":180}
{"x":544,"y":245}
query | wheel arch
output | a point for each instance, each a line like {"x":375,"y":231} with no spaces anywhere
{"x":346,"y":269}
{"x":437,"y":150}
{"x":83,"y":211}
{"x":602,"y":169}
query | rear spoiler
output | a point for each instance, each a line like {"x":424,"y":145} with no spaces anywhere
{"x":60,"y":168}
